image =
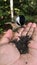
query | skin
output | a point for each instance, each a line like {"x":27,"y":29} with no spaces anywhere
{"x":9,"y":54}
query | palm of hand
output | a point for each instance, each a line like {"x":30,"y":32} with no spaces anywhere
{"x":11,"y":54}
{"x":31,"y":57}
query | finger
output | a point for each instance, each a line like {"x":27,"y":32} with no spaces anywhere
{"x":31,"y":30}
{"x":7,"y":37}
{"x":26,"y":29}
{"x":33,"y":42}
{"x":35,"y":35}
{"x":19,"y":32}
{"x":21,"y":29}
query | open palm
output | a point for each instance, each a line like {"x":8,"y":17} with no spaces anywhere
{"x":9,"y":54}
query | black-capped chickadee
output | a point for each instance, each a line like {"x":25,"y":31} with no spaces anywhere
{"x":20,"y":20}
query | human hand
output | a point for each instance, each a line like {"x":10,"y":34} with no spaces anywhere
{"x":8,"y":51}
{"x":29,"y":58}
{"x":23,"y":59}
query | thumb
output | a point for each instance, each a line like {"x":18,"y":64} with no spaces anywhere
{"x":7,"y":37}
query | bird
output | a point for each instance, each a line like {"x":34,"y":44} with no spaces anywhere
{"x":20,"y":20}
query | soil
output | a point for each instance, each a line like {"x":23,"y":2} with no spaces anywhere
{"x":22,"y":44}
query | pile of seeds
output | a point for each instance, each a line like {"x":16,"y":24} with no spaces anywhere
{"x":22,"y":44}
